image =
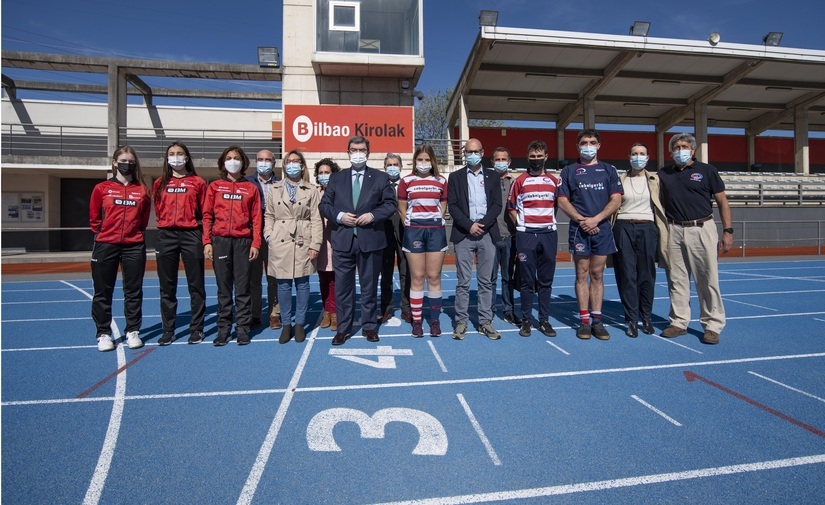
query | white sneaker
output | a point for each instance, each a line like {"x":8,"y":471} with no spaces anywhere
{"x":105,"y":343}
{"x":133,"y":340}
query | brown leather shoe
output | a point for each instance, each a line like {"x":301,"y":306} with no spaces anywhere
{"x":339,"y":338}
{"x":406,"y":316}
{"x":371,"y":335}
{"x":383,"y":318}
{"x":710,"y":337}
{"x":673,"y":331}
{"x":333,"y":321}
{"x":275,"y":322}
{"x":325,"y":320}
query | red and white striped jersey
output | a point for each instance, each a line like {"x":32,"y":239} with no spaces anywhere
{"x":424,"y":197}
{"x":534,"y":200}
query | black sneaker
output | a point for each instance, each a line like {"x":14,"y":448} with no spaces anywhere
{"x":196,"y":337}
{"x":512,"y":318}
{"x":599,"y":331}
{"x":525,"y":329}
{"x":583,"y":332}
{"x":167,"y":338}
{"x":243,"y":336}
{"x":546,"y":328}
{"x":223,"y":338}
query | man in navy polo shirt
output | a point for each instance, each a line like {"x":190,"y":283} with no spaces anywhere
{"x":687,"y":187}
{"x":590,"y":192}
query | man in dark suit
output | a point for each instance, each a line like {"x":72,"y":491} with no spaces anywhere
{"x":357,"y":202}
{"x":474,"y":200}
{"x":264,"y":178}
{"x":394,"y":228}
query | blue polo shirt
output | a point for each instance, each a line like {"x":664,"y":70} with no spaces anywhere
{"x":589,"y":187}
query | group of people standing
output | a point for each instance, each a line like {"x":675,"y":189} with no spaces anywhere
{"x":370,"y":220}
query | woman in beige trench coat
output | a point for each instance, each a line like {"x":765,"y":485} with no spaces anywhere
{"x":293,"y":231}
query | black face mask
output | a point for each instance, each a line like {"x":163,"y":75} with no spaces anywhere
{"x":536,"y":166}
{"x":126,"y":169}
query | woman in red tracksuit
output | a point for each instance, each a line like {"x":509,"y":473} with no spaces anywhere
{"x":231,"y":239}
{"x":118,"y":214}
{"x":180,"y":195}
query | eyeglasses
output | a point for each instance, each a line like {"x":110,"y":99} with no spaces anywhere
{"x":473,"y":152}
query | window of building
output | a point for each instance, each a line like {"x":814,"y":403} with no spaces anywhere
{"x":369,"y":26}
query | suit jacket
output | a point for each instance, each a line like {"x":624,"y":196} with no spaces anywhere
{"x":458,"y":203}
{"x":376,"y":196}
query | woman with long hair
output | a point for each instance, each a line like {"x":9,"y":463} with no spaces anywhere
{"x":231,"y":239}
{"x":294,"y":233}
{"x":326,"y":273}
{"x":422,"y":198}
{"x":180,"y":195}
{"x":118,"y":215}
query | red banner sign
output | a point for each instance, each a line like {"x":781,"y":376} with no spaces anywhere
{"x":327,"y":128}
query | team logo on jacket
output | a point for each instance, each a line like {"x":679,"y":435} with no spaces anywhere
{"x":230,"y":196}
{"x":125,"y":203}
{"x":176,"y":190}
{"x":696,"y":177}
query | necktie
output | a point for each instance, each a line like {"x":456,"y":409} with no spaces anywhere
{"x":356,"y":192}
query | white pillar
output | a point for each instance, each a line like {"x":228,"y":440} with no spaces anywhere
{"x":662,"y":152}
{"x":559,"y":143}
{"x":751,"y":151}
{"x":700,"y":116}
{"x":589,"y":113}
{"x":117,"y":107}
{"x":800,"y":141}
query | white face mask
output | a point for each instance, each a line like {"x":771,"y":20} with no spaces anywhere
{"x":638,"y":161}
{"x":176,"y":161}
{"x":501,"y":166}
{"x":232,"y":166}
{"x":264,"y":167}
{"x":682,"y":156}
{"x":358,"y":160}
{"x":587,"y":153}
{"x":423,"y":169}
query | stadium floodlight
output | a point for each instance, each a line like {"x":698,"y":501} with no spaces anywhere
{"x":640,"y":28}
{"x":268,"y":57}
{"x":714,"y":38}
{"x":772,"y":39}
{"x":488,"y":18}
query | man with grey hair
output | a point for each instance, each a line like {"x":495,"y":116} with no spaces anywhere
{"x":394,"y":228}
{"x":687,"y":187}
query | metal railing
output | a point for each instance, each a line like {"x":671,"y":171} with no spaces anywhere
{"x":82,"y":141}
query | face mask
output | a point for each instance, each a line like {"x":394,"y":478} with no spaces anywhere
{"x":681,"y":156}
{"x":394,"y":172}
{"x":126,"y":169}
{"x":264,"y":167}
{"x":232,"y":166}
{"x":293,"y":170}
{"x":587,"y":152}
{"x":473,"y":159}
{"x":638,"y":161}
{"x":536,"y":165}
{"x":423,"y":169}
{"x":358,"y":160}
{"x":501,"y":166}
{"x":176,"y":161}
{"x":323,"y":179}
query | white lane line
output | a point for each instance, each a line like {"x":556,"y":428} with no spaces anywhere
{"x":549,"y":375}
{"x":821,"y":320}
{"x":788,"y":387}
{"x":437,"y":357}
{"x":33,"y":290}
{"x":727,"y":299}
{"x":654,"y":409}
{"x":671,"y":341}
{"x":558,"y":348}
{"x":479,"y":430}
{"x":777,"y":277}
{"x":104,"y":461}
{"x":38,"y":302}
{"x":257,"y":470}
{"x":165,"y":396}
{"x":641,"y":480}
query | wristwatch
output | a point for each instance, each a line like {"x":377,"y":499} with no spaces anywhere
{"x":728,"y":230}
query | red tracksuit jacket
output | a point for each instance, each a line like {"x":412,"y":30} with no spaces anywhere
{"x":181,"y":203}
{"x":232,"y":209}
{"x":119,"y":214}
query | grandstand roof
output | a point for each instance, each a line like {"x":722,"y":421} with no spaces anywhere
{"x":546,"y":75}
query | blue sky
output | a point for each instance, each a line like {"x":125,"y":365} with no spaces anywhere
{"x":229,"y":32}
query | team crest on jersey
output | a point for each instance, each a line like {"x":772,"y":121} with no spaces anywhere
{"x":579,"y":247}
{"x":696,"y":177}
{"x":581,"y":171}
